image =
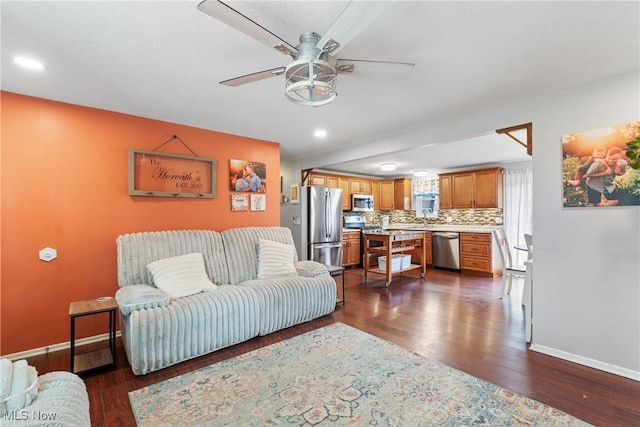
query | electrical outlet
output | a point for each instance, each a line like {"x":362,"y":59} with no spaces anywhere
{"x":48,"y":254}
{"x":498,"y":220}
{"x":449,"y":219}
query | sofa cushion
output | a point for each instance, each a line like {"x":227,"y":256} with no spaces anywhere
{"x":310,"y":268}
{"x":181,"y":276}
{"x":136,"y":250}
{"x":240,"y":248}
{"x":275,"y":259}
{"x":138,"y":297}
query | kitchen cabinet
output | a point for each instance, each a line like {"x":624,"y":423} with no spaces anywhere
{"x":478,"y":254}
{"x":471,"y":189}
{"x":445,"y":191}
{"x":317,"y":180}
{"x":385,"y":195}
{"x":324,"y":180}
{"x":402,"y":194}
{"x":375,"y":190}
{"x":350,"y":248}
{"x":360,"y":186}
{"x":346,"y":194}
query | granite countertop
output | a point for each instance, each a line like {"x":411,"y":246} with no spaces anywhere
{"x":395,"y":232}
{"x":444,"y":227}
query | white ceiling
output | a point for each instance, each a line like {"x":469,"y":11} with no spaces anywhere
{"x":163,"y":60}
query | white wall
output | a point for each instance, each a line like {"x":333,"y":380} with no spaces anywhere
{"x":290,"y":172}
{"x":586,"y":296}
{"x":587,"y":273}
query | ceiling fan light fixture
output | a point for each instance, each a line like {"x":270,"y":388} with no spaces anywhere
{"x":310,"y":82}
{"x":388,"y":167}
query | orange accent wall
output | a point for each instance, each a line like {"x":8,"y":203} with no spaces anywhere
{"x":64,"y":185}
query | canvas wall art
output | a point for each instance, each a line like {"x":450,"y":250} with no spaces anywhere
{"x":247,"y":176}
{"x":598,"y":167}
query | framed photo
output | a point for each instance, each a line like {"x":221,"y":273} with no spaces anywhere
{"x":171,"y":175}
{"x":294,"y":196}
{"x":247,"y":176}
{"x":239,"y":202}
{"x":597,"y":167}
{"x":258,"y":202}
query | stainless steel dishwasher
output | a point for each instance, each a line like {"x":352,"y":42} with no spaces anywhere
{"x":445,"y":247}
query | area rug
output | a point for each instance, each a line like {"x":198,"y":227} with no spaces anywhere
{"x":335,"y":376}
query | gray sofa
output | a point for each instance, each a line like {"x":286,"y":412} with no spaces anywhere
{"x":159,"y":331}
{"x":53,"y":399}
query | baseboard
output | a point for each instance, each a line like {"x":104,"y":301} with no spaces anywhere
{"x":592,"y":363}
{"x":57,"y":347}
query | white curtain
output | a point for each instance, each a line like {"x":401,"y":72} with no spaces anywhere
{"x":518,"y":209}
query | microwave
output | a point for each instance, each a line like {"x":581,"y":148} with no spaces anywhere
{"x":361,"y":202}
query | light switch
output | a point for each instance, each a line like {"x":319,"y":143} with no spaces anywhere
{"x":48,"y":254}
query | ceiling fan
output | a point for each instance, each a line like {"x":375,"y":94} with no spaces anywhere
{"x":311,"y":78}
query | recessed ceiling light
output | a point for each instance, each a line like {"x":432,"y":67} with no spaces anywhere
{"x":388,"y":166}
{"x":320,"y":133}
{"x":29,"y":63}
{"x":420,"y":173}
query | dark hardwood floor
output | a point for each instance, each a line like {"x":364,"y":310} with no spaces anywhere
{"x":458,"y":320}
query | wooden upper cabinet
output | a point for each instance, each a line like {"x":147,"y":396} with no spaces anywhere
{"x":445,"y":191}
{"x":402,"y":194}
{"x":462,"y":191}
{"x":317,"y":179}
{"x":471,"y":189}
{"x":355,"y":185}
{"x":375,"y":190}
{"x":333,"y":181}
{"x":367,"y":186}
{"x":385,"y":195}
{"x":488,"y":188}
{"x":346,"y":194}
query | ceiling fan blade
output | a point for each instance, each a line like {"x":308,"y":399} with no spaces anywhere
{"x":254,"y":77}
{"x":235,"y":19}
{"x":353,"y":19}
{"x":396,"y":70}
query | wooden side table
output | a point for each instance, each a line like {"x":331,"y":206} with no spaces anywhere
{"x":337,"y":270}
{"x":97,"y":359}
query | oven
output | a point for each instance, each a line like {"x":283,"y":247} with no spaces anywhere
{"x":357,"y":222}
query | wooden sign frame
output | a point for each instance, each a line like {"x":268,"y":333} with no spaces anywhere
{"x":156,"y":174}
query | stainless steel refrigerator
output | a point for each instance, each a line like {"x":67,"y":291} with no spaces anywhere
{"x":325,"y":225}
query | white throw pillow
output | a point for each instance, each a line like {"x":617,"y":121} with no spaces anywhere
{"x":275,"y":259}
{"x":180,"y":276}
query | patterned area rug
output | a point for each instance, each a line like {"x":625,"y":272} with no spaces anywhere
{"x":335,"y":376}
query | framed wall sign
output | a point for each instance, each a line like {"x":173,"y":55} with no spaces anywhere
{"x":239,"y":202}
{"x":152,"y":173}
{"x":295,"y":193}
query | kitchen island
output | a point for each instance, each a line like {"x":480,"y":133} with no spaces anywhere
{"x":479,"y":255}
{"x":393,"y":242}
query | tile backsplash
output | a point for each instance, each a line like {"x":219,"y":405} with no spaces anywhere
{"x":457,"y":216}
